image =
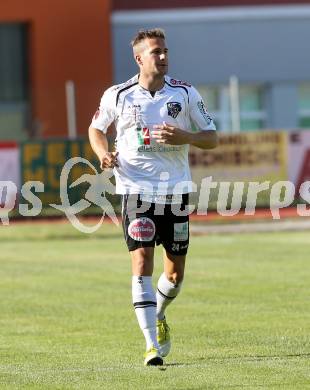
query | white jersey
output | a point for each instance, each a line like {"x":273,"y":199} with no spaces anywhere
{"x":146,"y":166}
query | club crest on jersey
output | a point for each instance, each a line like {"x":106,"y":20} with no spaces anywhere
{"x":174,"y":108}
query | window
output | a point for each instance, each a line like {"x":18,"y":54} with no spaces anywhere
{"x":251,"y":104}
{"x":13,"y":80}
{"x":304,"y":106}
{"x":252,"y":115}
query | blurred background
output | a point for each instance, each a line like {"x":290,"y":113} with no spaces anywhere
{"x":249,"y":60}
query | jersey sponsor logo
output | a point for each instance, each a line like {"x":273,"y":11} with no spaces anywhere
{"x":142,"y":229}
{"x":148,"y":148}
{"x":146,"y":136}
{"x":181,"y":231}
{"x":179,"y":82}
{"x":159,"y":148}
{"x":202,"y":108}
{"x":174,"y":108}
{"x":143,"y":135}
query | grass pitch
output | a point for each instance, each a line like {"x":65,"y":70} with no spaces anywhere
{"x":242,"y":319}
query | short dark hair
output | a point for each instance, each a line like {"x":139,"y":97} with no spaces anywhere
{"x":144,"y":34}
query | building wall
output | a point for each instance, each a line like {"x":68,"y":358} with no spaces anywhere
{"x":68,"y":40}
{"x":141,"y":4}
{"x":260,"y":45}
{"x":266,"y":49}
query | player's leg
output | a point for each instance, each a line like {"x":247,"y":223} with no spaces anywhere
{"x":144,"y":301}
{"x":168,"y":287}
{"x":139,"y":234}
{"x":143,"y":295}
{"x":170,"y":281}
{"x":174,"y":235}
{"x":142,"y":261}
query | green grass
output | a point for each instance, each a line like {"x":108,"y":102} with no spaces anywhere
{"x":66,"y":319}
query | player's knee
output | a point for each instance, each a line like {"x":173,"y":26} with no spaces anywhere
{"x":176,"y":277}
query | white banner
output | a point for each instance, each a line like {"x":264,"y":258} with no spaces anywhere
{"x":9,"y":169}
{"x":299,"y":157}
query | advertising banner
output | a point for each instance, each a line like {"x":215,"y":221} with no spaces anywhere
{"x":43,"y":161}
{"x":259,"y":157}
{"x":246,"y":157}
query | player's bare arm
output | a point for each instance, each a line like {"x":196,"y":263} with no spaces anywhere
{"x":99,"y":143}
{"x":168,"y":134}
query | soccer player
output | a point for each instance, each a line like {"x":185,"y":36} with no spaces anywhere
{"x":156,"y":118}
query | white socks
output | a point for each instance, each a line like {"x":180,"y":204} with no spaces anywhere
{"x":150,"y":307}
{"x":166,"y":292}
{"x":144,"y":301}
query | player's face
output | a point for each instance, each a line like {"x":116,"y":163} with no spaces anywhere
{"x":153,"y":59}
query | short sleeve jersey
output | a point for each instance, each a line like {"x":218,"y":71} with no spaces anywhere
{"x":146,"y":166}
